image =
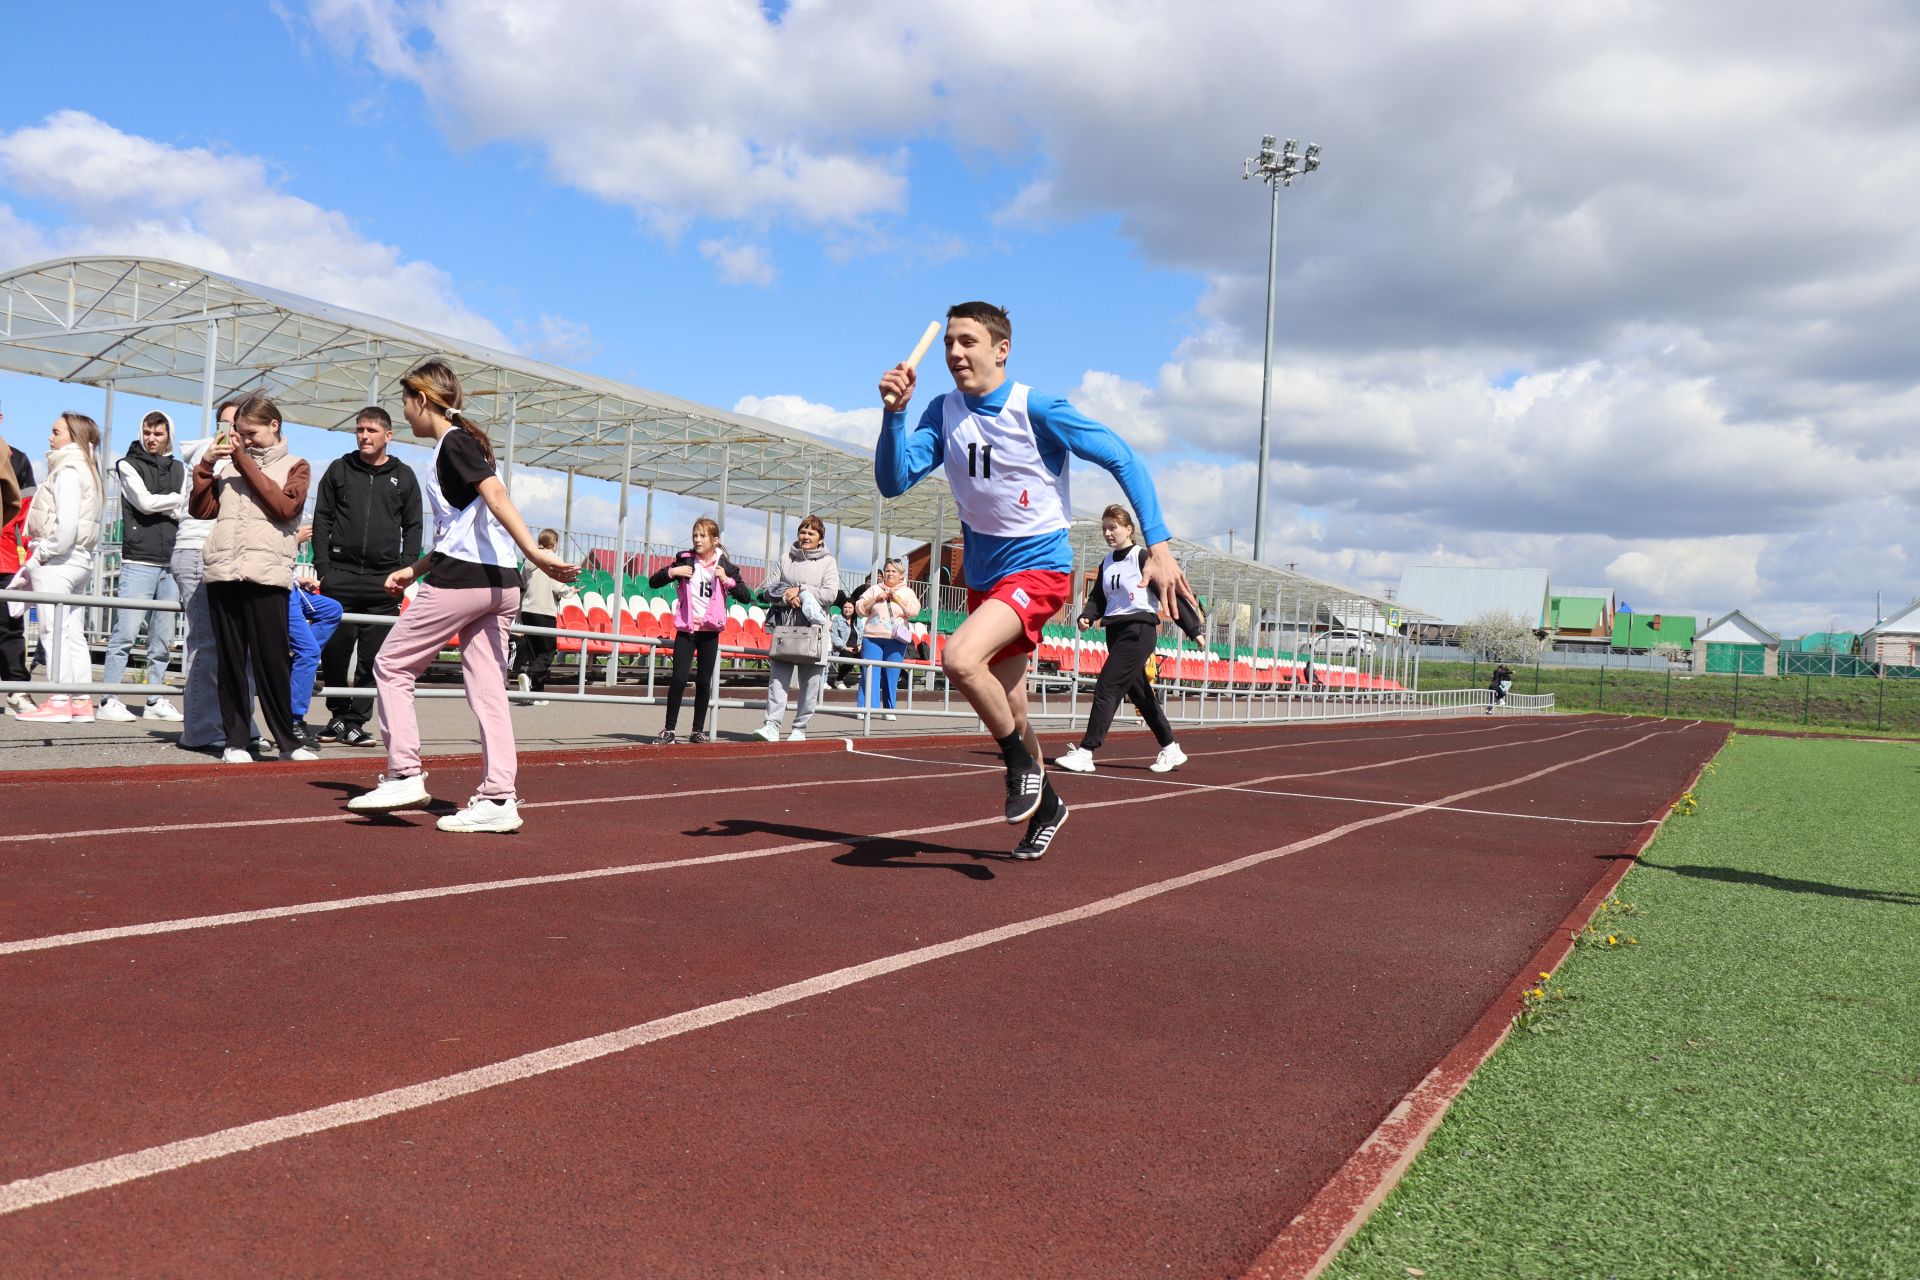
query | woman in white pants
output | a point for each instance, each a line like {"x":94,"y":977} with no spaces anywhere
{"x":64,"y":527}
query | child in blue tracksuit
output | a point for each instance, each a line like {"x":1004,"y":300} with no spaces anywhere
{"x":311,"y":620}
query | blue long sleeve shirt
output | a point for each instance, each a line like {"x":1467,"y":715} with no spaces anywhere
{"x":906,"y":455}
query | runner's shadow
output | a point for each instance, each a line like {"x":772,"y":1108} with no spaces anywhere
{"x":865,"y":851}
{"x":1787,"y":884}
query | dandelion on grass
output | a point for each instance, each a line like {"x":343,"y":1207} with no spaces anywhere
{"x":1539,"y":1004}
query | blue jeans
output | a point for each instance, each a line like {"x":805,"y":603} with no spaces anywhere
{"x":311,"y":618}
{"x":142,"y":582}
{"x":880,"y":649}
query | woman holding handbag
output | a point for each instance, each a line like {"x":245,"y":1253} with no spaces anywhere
{"x":705,"y":578}
{"x":803,"y":589}
{"x":889,"y":608}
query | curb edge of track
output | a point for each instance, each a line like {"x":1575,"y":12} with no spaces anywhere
{"x":1344,"y":1202}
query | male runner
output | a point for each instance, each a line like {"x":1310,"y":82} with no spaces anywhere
{"x":1005,"y":450}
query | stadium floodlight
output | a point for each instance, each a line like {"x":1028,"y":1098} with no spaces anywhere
{"x":1277,"y":169}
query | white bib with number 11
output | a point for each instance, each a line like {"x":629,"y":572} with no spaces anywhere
{"x":993,"y":465}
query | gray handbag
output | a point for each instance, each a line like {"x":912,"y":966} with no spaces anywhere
{"x":804,"y":644}
{"x":791,"y":638}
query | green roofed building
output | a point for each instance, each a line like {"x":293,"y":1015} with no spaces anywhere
{"x":1652,"y":630}
{"x":1578,"y":618}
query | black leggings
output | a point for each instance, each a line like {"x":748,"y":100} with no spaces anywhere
{"x":250,"y":630}
{"x":534,"y":654}
{"x":687,"y":645}
{"x":1129,"y":645}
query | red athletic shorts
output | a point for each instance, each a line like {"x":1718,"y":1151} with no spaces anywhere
{"x":1035,"y":594}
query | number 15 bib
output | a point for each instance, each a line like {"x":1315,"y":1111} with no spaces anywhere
{"x":994,"y":467}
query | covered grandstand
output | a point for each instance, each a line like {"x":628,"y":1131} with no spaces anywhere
{"x":178,"y":333}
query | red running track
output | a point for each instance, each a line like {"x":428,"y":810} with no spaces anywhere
{"x":697,"y":1019}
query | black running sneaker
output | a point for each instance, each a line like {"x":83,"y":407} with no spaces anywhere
{"x":666,"y":738}
{"x":1026,"y":785}
{"x":1040,"y":833}
{"x":354,"y":736}
{"x":335,"y":728}
{"x":697,"y":737}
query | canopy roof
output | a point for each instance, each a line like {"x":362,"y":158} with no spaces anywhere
{"x":178,"y":333}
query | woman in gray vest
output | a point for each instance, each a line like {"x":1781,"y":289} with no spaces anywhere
{"x":804,"y":588}
{"x":153,"y":497}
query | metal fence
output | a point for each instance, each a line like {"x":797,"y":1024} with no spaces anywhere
{"x":925,"y":693}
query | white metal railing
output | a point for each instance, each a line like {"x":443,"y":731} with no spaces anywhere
{"x":1186,"y":702}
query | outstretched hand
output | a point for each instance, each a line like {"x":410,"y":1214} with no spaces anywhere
{"x":1164,"y":574}
{"x":550,"y":563}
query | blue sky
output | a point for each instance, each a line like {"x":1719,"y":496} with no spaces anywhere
{"x":1543,"y":305}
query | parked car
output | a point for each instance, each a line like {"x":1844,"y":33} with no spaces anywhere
{"x":1341,"y":644}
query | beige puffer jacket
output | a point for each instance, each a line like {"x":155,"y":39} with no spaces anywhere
{"x":253,"y":536}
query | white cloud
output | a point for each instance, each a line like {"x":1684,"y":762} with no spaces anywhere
{"x":556,"y":338}
{"x":676,"y":110}
{"x":121,"y":193}
{"x":738,"y":263}
{"x":858,"y":427}
{"x":1691,"y":226}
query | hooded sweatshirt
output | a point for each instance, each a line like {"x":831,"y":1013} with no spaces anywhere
{"x":193,"y":532}
{"x":153,"y":496}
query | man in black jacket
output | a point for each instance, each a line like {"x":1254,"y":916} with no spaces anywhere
{"x":366,"y":524}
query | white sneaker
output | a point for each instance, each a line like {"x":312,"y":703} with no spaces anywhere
{"x":115,"y":710}
{"x":798,"y":735}
{"x":1171,"y":757}
{"x":525,"y":682}
{"x":18,"y":702}
{"x":302,"y":753}
{"x":538,"y":702}
{"x":768,"y":732}
{"x":392,"y":793}
{"x":234,"y":755}
{"x":890,"y":716}
{"x":484,"y":815}
{"x":1079,"y":760}
{"x":162,"y":710}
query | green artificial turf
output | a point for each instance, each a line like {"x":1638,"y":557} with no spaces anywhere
{"x":1736,"y":1095}
{"x":1834,"y":703}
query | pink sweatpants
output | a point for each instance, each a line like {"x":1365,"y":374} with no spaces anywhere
{"x":479,"y":617}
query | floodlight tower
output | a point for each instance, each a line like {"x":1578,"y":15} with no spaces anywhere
{"x":1277,"y":170}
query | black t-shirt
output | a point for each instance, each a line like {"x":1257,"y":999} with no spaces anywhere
{"x":460,"y":468}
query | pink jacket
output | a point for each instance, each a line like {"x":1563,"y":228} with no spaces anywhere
{"x":712,"y":612}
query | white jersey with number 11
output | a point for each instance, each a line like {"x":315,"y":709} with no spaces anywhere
{"x":993,"y":465}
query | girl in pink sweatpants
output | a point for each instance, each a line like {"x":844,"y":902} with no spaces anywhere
{"x":471,"y":592}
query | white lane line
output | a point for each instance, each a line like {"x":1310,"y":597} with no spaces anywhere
{"x":1251,"y":788}
{"x":163,"y":828}
{"x":1393,"y":763}
{"x":113,"y":1171}
{"x":184,"y":924}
